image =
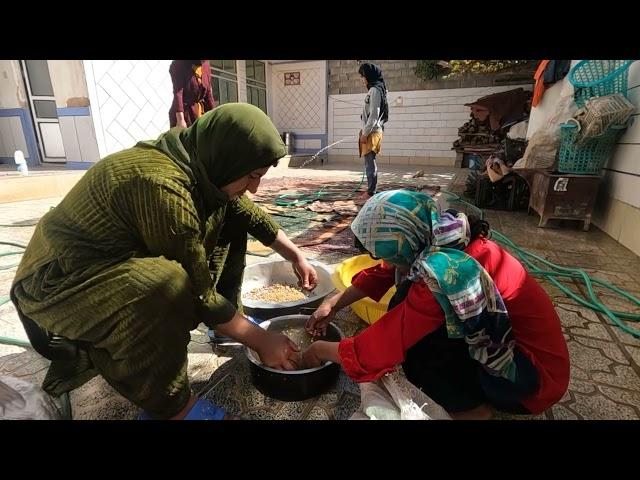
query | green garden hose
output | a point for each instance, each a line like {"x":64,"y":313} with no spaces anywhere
{"x":527,"y":258}
{"x":551,"y":273}
{"x":592,"y":302}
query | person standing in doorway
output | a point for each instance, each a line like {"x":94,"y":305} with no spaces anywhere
{"x":192,"y":94}
{"x":374,"y":115}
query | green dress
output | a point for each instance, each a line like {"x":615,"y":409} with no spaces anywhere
{"x":122,"y":264}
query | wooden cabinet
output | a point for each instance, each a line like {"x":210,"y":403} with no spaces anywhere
{"x":563,"y":196}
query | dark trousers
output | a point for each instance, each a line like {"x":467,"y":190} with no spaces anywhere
{"x":371,"y":170}
{"x":227,"y":263}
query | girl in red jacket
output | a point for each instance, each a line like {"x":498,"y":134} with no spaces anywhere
{"x":469,"y":325}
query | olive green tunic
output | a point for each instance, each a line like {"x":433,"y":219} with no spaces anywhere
{"x":122,"y":264}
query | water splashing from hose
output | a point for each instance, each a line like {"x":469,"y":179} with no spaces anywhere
{"x":322,"y":150}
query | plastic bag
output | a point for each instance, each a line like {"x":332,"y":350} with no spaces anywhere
{"x":519,"y":130}
{"x":393,"y":397}
{"x":20,"y":400}
{"x":599,"y":113}
{"x":543,"y":145}
{"x":541,"y":150}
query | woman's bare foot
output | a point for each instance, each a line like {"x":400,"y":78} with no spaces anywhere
{"x":481,"y":412}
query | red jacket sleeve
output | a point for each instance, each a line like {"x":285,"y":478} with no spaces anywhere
{"x":375,"y":281}
{"x":382,"y":346}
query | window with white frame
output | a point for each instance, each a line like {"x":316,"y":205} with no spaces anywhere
{"x":257,"y":84}
{"x":224,"y":81}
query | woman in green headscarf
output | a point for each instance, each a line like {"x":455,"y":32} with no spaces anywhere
{"x":148,"y":244}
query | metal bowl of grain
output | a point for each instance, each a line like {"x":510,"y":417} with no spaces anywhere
{"x":269,"y":289}
{"x":294,"y":385}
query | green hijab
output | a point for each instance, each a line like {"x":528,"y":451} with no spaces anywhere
{"x":220,"y":147}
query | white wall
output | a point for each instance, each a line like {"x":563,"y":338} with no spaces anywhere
{"x":12,"y":137}
{"x":68,"y":82}
{"x":70,"y":90}
{"x":130,"y":101}
{"x":617,"y":210}
{"x":12,"y":93}
{"x":623,"y":169}
{"x":301,"y":108}
{"x":423,"y":124}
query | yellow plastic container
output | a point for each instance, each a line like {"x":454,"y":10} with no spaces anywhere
{"x":367,"y":309}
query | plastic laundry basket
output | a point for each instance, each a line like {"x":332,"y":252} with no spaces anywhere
{"x":589,"y":157}
{"x":597,"y":78}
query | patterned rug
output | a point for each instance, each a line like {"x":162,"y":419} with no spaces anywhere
{"x":317,"y":211}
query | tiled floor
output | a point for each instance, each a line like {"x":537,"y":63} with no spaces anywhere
{"x":605,"y":371}
{"x":605,"y":367}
